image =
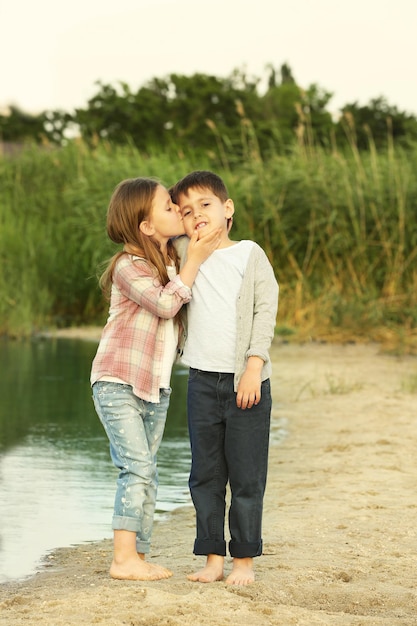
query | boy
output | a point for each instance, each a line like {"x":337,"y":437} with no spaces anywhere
{"x":230,"y":326}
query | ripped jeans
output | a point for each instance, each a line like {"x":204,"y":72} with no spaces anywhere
{"x":134,"y":428}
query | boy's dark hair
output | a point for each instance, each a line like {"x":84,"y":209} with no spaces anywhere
{"x":200,"y":179}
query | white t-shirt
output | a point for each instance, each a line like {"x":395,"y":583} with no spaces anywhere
{"x":211,"y":314}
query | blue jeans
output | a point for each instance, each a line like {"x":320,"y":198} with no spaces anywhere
{"x":228,"y":444}
{"x":134,"y":428}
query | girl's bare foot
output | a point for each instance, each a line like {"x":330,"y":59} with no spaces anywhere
{"x":141,"y":555}
{"x":136,"y":568}
{"x":211,"y":572}
{"x":242,"y":572}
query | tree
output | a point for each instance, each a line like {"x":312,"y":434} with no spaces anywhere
{"x":18,"y":126}
{"x":286,"y":74}
{"x":178,"y":110}
{"x":280,"y":108}
{"x":203,"y":106}
{"x":205,"y":113}
{"x":47,"y":127}
{"x":376,"y":121}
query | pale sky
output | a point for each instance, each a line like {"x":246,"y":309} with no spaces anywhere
{"x":52,"y":53}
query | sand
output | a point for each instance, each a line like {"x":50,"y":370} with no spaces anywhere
{"x":340,"y":543}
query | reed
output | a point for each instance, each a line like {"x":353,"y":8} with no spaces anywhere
{"x":338,"y":227}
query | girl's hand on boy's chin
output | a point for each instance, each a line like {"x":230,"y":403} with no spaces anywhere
{"x":207,"y":236}
{"x":211,"y":239}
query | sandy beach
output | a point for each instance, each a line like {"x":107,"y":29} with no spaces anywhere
{"x":340,"y":532}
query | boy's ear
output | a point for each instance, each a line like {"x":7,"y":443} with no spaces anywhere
{"x":229,"y":207}
{"x":147,"y":228}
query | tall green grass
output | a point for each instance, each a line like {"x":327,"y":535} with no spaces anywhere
{"x":339,"y":228}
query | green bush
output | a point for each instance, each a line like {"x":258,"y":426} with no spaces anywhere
{"x":339,"y":229}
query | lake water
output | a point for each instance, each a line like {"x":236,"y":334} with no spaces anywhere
{"x":57,"y":482}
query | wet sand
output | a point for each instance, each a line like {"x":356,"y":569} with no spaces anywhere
{"x":340,"y":538}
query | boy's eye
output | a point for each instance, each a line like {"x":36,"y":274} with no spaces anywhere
{"x":185,"y":213}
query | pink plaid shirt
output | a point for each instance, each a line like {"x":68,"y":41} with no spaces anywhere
{"x":132,"y":342}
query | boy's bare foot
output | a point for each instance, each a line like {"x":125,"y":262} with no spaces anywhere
{"x":211,"y":572}
{"x":136,"y":568}
{"x":242,"y":572}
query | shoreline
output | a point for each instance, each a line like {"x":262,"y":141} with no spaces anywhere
{"x":339,"y":516}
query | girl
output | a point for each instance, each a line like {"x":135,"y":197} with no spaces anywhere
{"x":131,"y":371}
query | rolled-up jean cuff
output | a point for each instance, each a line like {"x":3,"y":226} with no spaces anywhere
{"x":125,"y":523}
{"x":245,"y":550}
{"x":143,"y":547}
{"x":128,"y":523}
{"x":208,"y":546}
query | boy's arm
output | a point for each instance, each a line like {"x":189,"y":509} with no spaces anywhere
{"x":263,"y":327}
{"x":265,"y":308}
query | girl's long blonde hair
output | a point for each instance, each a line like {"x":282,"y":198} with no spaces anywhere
{"x":131,"y":204}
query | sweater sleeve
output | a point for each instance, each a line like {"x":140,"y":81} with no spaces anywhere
{"x":265,"y":307}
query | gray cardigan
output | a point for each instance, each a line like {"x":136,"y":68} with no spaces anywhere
{"x":256,"y":310}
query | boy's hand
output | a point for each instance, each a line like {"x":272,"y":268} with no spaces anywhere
{"x":249,"y":389}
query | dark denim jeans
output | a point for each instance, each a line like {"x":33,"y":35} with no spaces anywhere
{"x":228,"y":444}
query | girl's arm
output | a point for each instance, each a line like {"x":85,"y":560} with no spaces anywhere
{"x":199,"y":249}
{"x":135,"y":279}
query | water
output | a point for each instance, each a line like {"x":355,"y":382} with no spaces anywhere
{"x":57,"y":482}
